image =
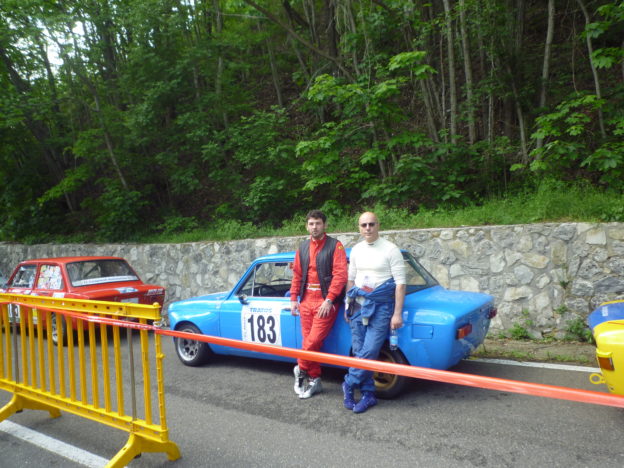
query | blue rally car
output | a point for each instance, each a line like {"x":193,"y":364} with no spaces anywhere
{"x":441,"y":327}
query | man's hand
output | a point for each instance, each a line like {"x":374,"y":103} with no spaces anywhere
{"x":325,"y":309}
{"x":397,"y":321}
{"x":294,"y":307}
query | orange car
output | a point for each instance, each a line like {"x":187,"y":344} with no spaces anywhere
{"x":93,"y":278}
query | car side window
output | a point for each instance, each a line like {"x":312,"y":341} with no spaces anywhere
{"x":50,"y":277}
{"x":25,"y":277}
{"x":268,"y":280}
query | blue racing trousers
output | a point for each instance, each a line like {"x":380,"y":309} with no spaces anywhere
{"x":366,"y":342}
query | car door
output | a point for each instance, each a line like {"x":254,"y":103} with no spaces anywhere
{"x":49,"y":281}
{"x":258,"y":311}
{"x":21,"y":282}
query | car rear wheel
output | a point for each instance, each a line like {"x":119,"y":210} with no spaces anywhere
{"x":191,"y":353}
{"x":390,"y":385}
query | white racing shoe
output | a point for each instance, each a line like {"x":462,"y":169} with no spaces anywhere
{"x":300,"y":380}
{"x":314,"y":386}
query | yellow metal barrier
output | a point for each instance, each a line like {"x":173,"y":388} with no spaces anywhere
{"x":81,"y":377}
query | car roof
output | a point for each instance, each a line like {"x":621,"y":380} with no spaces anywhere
{"x":69,"y":259}
{"x":282,"y":256}
{"x":286,"y":256}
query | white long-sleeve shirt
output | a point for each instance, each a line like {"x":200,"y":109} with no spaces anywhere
{"x":372,"y":264}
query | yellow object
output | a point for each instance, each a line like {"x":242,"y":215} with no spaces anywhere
{"x":609,"y":338}
{"x":81,"y":378}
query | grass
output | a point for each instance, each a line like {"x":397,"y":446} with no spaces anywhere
{"x":514,"y":355}
{"x":552,"y":202}
{"x":532,"y":352}
{"x":531,"y":357}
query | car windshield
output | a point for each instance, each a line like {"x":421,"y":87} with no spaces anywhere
{"x":25,"y":277}
{"x":90,"y":272}
{"x":416,"y":276}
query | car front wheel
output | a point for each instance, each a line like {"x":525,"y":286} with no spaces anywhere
{"x":55,"y":329}
{"x":191,"y":353}
{"x":390,"y":385}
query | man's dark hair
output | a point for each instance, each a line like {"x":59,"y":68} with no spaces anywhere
{"x":316,"y":214}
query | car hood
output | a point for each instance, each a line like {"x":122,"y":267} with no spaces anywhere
{"x":213,"y":297}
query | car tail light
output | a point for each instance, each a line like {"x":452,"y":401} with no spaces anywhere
{"x":463,"y":331}
{"x":492,"y":313}
{"x":606,"y":363}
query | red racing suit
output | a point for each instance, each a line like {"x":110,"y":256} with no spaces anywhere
{"x":313,"y":291}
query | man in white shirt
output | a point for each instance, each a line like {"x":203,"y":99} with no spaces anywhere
{"x":376,"y":282}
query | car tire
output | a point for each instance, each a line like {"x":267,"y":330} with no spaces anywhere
{"x":191,"y":353}
{"x":54,"y":329}
{"x":389,"y":386}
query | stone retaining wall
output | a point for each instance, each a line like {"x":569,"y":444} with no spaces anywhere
{"x":545,"y":277}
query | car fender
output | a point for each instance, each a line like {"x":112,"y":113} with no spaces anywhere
{"x":204,"y":316}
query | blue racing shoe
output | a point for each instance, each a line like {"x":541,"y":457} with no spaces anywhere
{"x":368,"y":400}
{"x":349,"y":401}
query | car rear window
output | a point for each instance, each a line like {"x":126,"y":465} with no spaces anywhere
{"x":91,"y":272}
{"x":417,"y":277}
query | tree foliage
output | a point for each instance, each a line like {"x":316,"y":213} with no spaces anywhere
{"x":127,"y":117}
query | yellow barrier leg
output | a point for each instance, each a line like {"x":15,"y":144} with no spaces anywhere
{"x":19,"y":403}
{"x":136,"y":445}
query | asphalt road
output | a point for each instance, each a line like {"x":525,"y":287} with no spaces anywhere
{"x":239,"y":412}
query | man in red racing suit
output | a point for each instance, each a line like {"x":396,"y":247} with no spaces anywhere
{"x":319,"y":278}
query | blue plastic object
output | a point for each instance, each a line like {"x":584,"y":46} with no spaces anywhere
{"x":606,"y":312}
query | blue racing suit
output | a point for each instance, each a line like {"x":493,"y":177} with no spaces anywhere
{"x":367,"y":340}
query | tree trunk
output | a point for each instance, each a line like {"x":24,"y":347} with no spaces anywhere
{"x":546,"y":65}
{"x":468,"y":71}
{"x":590,"y":51}
{"x":220,"y":63}
{"x":274,"y":73}
{"x":38,"y":129}
{"x":300,"y":39}
{"x":520,"y":116}
{"x":451,"y":68}
{"x":78,"y":70}
{"x":332,"y":33}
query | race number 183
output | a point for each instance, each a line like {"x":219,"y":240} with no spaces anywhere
{"x":261,"y":325}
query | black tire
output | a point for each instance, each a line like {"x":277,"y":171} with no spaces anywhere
{"x":54,"y":328}
{"x":191,"y":353}
{"x":388,"y":386}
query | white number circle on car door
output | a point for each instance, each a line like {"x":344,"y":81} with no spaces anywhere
{"x":260,"y":322}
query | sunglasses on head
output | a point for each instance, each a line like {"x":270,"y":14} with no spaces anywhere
{"x":363,"y":225}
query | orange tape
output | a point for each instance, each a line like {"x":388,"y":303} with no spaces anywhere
{"x":457,"y":378}
{"x":469,"y":380}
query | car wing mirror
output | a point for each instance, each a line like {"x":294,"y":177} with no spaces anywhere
{"x":243,"y":298}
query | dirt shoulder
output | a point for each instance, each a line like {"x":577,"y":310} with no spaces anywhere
{"x":556,"y":351}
